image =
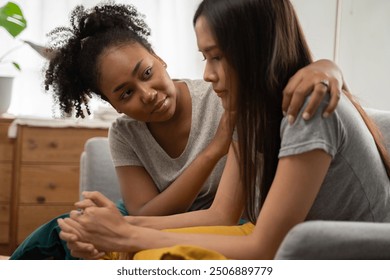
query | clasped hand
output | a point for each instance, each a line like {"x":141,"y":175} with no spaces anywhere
{"x":97,"y":227}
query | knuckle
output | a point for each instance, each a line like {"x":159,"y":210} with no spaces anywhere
{"x":326,"y":76}
{"x":288,"y":94}
{"x":322,"y":92}
{"x":302,"y":71}
{"x":292,"y":109}
{"x":300,"y":92}
{"x":321,"y":89}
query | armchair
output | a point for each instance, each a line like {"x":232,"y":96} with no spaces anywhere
{"x":97,"y":172}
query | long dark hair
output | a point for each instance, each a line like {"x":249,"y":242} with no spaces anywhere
{"x":73,"y":74}
{"x":264,"y":43}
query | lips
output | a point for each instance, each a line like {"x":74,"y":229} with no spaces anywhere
{"x":160,"y":105}
{"x":220,"y":92}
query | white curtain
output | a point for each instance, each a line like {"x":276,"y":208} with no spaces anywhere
{"x":173,"y":39}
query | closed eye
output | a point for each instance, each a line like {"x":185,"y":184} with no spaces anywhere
{"x":216,"y":58}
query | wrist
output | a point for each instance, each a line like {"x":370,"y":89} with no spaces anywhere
{"x":212,"y":153}
{"x":129,"y":235}
{"x":132,"y":220}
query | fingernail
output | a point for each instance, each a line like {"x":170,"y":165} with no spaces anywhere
{"x":291,"y":119}
{"x":306,"y":116}
{"x":325,"y":115}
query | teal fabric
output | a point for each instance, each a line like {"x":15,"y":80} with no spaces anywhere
{"x":45,"y":244}
{"x":121,"y":207}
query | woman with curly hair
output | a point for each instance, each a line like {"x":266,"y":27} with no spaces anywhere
{"x":169,"y":147}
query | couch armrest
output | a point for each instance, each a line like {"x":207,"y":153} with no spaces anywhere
{"x":334,"y":240}
{"x":97,"y":172}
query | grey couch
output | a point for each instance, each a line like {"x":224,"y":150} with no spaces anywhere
{"x":308,"y":240}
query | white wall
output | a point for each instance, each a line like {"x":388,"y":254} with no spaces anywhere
{"x":318,"y":20}
{"x":363,"y":51}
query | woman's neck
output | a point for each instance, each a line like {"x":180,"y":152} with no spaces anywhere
{"x":173,"y":135}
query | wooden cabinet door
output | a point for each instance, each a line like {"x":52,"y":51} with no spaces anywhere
{"x":5,"y":181}
{"x":42,"y":184}
{"x":6,"y":147}
{"x":55,"y":145}
{"x":4,"y":223}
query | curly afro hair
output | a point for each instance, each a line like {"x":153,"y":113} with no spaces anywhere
{"x":72,"y":75}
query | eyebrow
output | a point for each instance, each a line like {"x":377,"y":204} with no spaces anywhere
{"x":133,"y":73}
{"x":208,"y":49}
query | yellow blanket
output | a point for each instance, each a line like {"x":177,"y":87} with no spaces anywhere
{"x":186,"y":252}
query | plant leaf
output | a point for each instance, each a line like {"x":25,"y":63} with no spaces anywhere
{"x":12,"y":19}
{"x":17,"y":66}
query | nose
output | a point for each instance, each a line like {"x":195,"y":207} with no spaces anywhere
{"x":148,"y":96}
{"x":209,"y":75}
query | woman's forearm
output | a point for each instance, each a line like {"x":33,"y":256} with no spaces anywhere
{"x":205,"y":217}
{"x":232,"y":247}
{"x":180,"y":195}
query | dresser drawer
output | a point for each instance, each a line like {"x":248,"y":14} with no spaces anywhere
{"x":55,"y":145}
{"x":5,"y":183}
{"x":4,"y":223}
{"x":6,"y":148}
{"x":31,"y":217}
{"x":42,"y":184}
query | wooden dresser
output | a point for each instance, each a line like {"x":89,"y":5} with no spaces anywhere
{"x":6,"y":161}
{"x":45,"y":174}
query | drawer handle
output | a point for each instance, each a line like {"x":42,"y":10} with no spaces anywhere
{"x":41,"y":199}
{"x":31,"y":144}
{"x":53,"y":145}
{"x":52,"y":186}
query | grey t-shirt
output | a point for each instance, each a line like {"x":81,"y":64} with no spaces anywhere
{"x":356,"y":186}
{"x":132,"y":144}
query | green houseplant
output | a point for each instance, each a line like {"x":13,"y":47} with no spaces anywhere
{"x":13,"y":21}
